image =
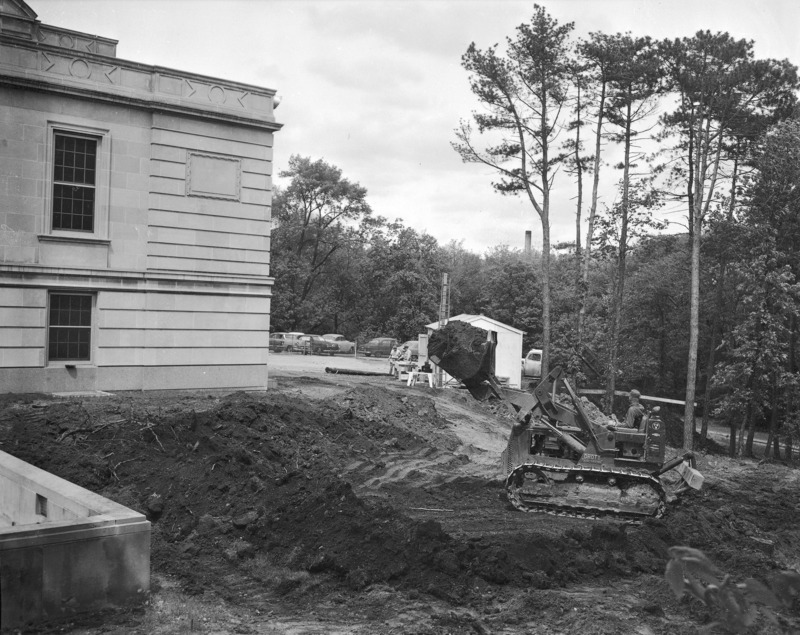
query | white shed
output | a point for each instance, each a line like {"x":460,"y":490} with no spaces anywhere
{"x":508,"y":353}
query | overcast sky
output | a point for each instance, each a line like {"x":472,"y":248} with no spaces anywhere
{"x":376,"y":88}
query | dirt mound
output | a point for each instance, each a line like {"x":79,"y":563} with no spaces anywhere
{"x":259,"y":473}
{"x":364,"y":485}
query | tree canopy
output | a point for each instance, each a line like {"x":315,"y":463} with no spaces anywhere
{"x":697,"y":123}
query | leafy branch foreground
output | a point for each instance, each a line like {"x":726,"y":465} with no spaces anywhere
{"x":736,"y":606}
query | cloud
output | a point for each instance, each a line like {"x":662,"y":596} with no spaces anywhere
{"x":431,"y":28}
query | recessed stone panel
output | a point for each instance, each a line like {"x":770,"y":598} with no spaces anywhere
{"x":213,"y":176}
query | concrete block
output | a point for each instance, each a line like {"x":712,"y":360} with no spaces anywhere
{"x":168,"y":169}
{"x":21,"y":316}
{"x":59,"y":254}
{"x":106,"y":357}
{"x":51,"y":569}
{"x":11,"y":337}
{"x":215,"y":146}
{"x":167,"y":185}
{"x":260,"y":198}
{"x":257,"y":166}
{"x":220,"y":130}
{"x":222,"y":377}
{"x":119,"y":338}
{"x":168,"y":153}
{"x":255,"y":181}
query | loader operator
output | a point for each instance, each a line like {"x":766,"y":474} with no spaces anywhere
{"x":635,"y":414}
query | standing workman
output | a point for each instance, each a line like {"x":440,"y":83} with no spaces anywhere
{"x":394,"y":357}
{"x":636,"y":411}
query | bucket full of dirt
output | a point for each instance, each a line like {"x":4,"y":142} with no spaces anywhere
{"x":464,"y":351}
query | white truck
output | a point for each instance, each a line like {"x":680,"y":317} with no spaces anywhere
{"x":532,"y":363}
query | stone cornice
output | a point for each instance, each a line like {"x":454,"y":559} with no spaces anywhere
{"x":83,"y":73}
{"x":134,"y":281}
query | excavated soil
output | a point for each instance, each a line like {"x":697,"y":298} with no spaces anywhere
{"x":360,"y":505}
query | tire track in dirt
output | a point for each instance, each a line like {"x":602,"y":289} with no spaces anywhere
{"x":482,"y":438}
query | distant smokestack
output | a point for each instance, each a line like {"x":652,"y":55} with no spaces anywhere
{"x":527,"y":243}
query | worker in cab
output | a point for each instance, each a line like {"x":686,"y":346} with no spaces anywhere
{"x":633,"y":417}
{"x":636,"y":411}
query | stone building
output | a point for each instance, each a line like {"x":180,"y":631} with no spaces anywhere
{"x":134,"y":218}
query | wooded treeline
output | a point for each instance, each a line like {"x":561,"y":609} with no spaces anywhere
{"x":698,"y":124}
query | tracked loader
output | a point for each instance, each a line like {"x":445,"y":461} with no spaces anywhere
{"x":561,"y":459}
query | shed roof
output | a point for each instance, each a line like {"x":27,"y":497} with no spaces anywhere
{"x":471,"y":319}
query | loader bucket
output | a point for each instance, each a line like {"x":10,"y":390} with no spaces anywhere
{"x":464,"y":352}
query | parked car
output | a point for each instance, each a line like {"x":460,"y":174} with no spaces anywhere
{"x":379,"y":347}
{"x":345,"y":345}
{"x":315,"y":345}
{"x":532,"y":363}
{"x":275,"y":343}
{"x":286,"y":342}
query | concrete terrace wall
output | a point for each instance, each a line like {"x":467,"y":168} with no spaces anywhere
{"x":177,"y":265}
{"x":64,"y":549}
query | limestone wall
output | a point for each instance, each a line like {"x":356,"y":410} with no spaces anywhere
{"x":177,"y":262}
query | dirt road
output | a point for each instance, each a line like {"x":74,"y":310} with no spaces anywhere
{"x":352,"y":504}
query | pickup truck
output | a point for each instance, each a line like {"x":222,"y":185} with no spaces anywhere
{"x":532,"y":363}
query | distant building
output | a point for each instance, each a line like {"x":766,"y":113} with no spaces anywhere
{"x":134,"y":218}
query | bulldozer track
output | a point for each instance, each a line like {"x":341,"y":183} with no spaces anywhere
{"x":587,"y":511}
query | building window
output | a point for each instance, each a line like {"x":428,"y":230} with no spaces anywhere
{"x":74,"y":170}
{"x":78,"y":191}
{"x":69,"y":327}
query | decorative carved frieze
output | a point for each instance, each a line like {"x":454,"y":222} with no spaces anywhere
{"x":71,"y":62}
{"x":80,"y":68}
{"x":76,"y":70}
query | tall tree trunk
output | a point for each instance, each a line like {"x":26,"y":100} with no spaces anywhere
{"x":773,"y":424}
{"x":712,"y":349}
{"x":731,"y":438}
{"x":584,"y":287}
{"x":700,"y":210}
{"x":619,"y":296}
{"x":719,"y":305}
{"x":662,"y":345}
{"x":578,"y":214}
{"x":694,"y":329}
{"x":695,"y":225}
{"x":545,"y":291}
{"x":545,"y":217}
{"x":579,"y":171}
{"x":792,"y":365}
{"x":690,"y":179}
{"x":751,"y":435}
{"x":748,"y":413}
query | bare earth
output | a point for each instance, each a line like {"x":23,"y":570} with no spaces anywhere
{"x":345,"y":504}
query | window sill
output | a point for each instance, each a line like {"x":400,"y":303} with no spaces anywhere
{"x":50,"y":238}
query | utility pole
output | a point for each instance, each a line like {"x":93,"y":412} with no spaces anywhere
{"x":444,"y":315}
